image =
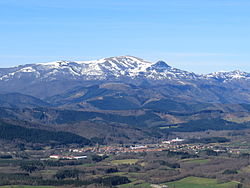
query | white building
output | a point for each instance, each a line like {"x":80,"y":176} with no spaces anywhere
{"x":54,"y":156}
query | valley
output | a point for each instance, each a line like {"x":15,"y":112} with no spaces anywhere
{"x":124,"y":94}
{"x":209,"y":161}
{"x":123,"y":122}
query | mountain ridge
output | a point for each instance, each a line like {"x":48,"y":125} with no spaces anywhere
{"x":125,"y":97}
{"x":113,"y":67}
{"x":55,"y":78}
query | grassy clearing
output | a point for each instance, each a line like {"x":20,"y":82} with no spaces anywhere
{"x":246,"y":169}
{"x":196,"y":161}
{"x":120,"y":173}
{"x":135,"y":184}
{"x":87,"y":165}
{"x":125,"y":161}
{"x":143,"y":164}
{"x":48,"y":171}
{"x":195,"y":182}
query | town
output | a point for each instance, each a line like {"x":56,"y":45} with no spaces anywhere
{"x":175,"y":145}
{"x":134,"y":165}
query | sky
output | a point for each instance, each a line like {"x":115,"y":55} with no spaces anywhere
{"x":201,"y":36}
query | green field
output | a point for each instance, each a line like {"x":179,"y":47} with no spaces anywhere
{"x":138,"y":184}
{"x":195,"y":182}
{"x":197,"y":161}
{"x":125,"y":161}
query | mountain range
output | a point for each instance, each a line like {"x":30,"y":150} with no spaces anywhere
{"x":122,"y":98}
{"x":48,"y":79}
{"x":110,"y":68}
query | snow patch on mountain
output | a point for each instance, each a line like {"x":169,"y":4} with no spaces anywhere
{"x":111,"y":68}
{"x":228,"y":75}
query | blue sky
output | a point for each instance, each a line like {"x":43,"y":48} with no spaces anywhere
{"x":196,"y":35}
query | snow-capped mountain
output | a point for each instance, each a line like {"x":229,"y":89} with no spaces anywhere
{"x":228,"y":76}
{"x":107,"y":68}
{"x":47,"y":79}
